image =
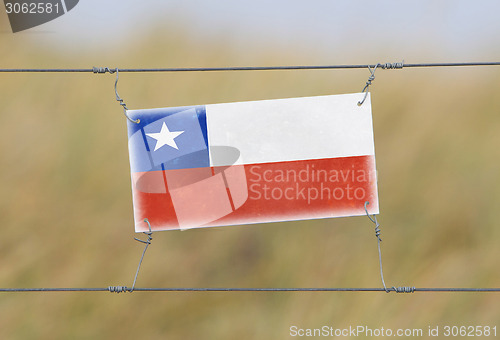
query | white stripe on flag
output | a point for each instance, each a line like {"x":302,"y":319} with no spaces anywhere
{"x":293,"y":129}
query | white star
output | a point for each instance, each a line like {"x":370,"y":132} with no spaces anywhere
{"x":165,"y":137}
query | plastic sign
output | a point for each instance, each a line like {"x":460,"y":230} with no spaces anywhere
{"x":252,"y":162}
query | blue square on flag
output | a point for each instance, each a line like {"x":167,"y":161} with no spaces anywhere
{"x":170,"y":140}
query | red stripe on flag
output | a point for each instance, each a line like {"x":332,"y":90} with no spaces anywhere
{"x":298,"y":190}
{"x":265,"y":192}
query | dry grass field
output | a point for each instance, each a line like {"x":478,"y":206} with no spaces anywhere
{"x":66,"y":211}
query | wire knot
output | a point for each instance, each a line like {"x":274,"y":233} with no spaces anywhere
{"x":118,"y":289}
{"x":147,"y":243}
{"x":374,"y":220}
{"x":378,"y":232}
{"x":120,"y":100}
{"x":368,"y":83}
{"x":392,"y":66}
{"x":103,"y":70}
{"x":148,"y":233}
{"x":402,"y":289}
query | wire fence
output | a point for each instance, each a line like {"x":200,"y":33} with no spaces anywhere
{"x":397,"y":65}
{"x":371,"y":67}
{"x":122,"y":289}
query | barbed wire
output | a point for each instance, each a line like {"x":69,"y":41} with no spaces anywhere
{"x":398,"y":65}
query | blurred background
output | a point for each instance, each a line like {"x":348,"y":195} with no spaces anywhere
{"x":65,"y":197}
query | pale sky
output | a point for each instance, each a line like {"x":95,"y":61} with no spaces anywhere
{"x":449,"y":30}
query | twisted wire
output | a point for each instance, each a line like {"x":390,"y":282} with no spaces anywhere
{"x":147,"y":242}
{"x":102,"y":70}
{"x":118,"y":98}
{"x":368,"y":83}
{"x":404,"y":289}
{"x":392,"y":66}
{"x":117,"y":289}
{"x":379,"y":239}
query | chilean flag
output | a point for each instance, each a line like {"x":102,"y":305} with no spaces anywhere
{"x":252,"y":162}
